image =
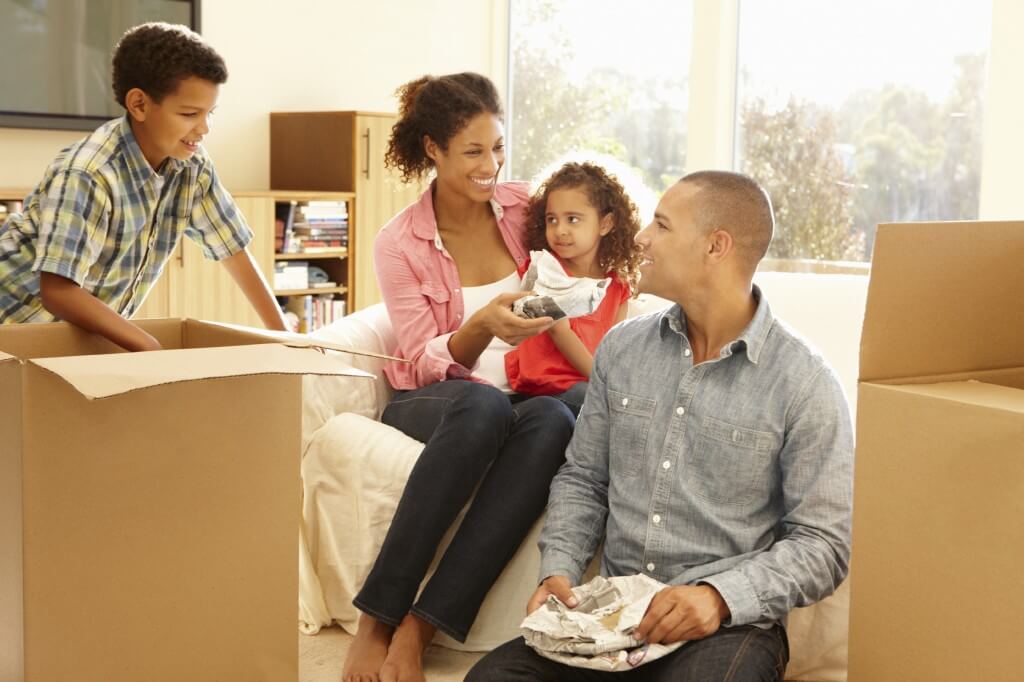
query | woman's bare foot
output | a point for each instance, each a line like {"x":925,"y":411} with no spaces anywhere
{"x":368,"y":650}
{"x":404,"y":661}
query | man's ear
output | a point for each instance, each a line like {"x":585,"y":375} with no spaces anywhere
{"x":720,"y":245}
{"x":607,"y":223}
{"x":137,"y":102}
{"x":431,"y":148}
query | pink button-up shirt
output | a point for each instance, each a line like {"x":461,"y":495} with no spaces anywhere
{"x":421,"y":288}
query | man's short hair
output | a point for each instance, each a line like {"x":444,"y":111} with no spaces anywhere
{"x":737,"y":204}
{"x":155,"y":57}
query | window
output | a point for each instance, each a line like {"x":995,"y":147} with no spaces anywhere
{"x":599,"y":76}
{"x":857,"y":113}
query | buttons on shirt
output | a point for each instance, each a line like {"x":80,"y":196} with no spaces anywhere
{"x":680,"y":411}
{"x":625,"y":401}
{"x":666,"y":464}
{"x":656,"y":518}
{"x":687,"y":352}
{"x":650,"y":567}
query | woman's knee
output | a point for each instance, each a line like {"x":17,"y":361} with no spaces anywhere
{"x":549,"y":416}
{"x":484,"y":405}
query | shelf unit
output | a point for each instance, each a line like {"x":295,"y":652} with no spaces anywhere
{"x":343,"y":151}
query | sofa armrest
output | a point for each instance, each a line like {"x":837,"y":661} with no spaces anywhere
{"x":324,"y":397}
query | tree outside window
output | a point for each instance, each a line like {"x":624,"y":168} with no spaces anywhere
{"x":598,"y":76}
{"x":854,"y":114}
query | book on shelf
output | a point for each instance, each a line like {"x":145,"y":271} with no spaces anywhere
{"x":315,"y":310}
{"x":284,"y":220}
{"x":320,"y":225}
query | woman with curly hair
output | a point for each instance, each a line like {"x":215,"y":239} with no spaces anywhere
{"x":448,"y":271}
{"x":583,"y":216}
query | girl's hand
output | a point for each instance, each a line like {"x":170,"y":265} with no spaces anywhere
{"x":498,"y":320}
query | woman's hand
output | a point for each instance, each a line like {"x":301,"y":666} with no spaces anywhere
{"x":494,"y":320}
{"x":498,"y":320}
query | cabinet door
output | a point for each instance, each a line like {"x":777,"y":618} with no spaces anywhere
{"x":380,"y":195}
{"x":207,"y":291}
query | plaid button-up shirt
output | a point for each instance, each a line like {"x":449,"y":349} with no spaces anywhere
{"x":103,"y":218}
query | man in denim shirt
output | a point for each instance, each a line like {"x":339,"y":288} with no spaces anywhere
{"x":714,"y":453}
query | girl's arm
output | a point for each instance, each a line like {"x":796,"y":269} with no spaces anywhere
{"x":570,"y":346}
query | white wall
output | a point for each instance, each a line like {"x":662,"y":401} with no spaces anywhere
{"x":1003,"y":141}
{"x":307,"y":55}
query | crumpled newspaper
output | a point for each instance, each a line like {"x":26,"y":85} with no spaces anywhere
{"x":557,"y":294}
{"x":597,"y":634}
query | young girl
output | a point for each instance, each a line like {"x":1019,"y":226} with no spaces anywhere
{"x":584,"y":217}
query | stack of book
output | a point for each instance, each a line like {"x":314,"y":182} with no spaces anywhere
{"x":315,"y":311}
{"x":317,"y":226}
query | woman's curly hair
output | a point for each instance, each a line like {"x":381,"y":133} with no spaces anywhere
{"x":439,"y":107}
{"x":616,"y":252}
{"x":155,"y":57}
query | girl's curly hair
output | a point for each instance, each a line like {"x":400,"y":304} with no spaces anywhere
{"x":616,"y":252}
{"x":439,"y":107}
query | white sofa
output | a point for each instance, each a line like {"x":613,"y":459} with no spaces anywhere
{"x":354,"y":469}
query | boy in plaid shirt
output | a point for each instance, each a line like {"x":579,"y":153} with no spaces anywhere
{"x":96,"y":232}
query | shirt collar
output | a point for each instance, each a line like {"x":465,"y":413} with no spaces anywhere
{"x":752,"y":339}
{"x":139,"y":169}
{"x":425,"y":224}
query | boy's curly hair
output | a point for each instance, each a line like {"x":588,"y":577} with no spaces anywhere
{"x":439,"y":107}
{"x":616,"y":252}
{"x":156,"y":56}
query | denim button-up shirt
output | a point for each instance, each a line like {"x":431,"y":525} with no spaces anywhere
{"x":736,"y":472}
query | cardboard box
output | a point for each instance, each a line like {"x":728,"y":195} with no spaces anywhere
{"x":938,"y":532}
{"x":150,"y":503}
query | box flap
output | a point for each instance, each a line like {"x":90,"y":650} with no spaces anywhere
{"x":944,"y":298}
{"x":979,"y":393}
{"x":301,"y":340}
{"x":4,"y":357}
{"x":102,"y":376}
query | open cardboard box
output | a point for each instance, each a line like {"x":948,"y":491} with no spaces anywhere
{"x":938,"y":533}
{"x":150,"y":504}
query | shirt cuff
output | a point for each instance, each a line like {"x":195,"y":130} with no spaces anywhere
{"x":739,"y":595}
{"x":559,"y":563}
{"x":441,"y":361}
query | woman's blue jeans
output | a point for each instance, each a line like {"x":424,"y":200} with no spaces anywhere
{"x":474,"y":437}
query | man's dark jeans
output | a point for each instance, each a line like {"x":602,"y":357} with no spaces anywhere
{"x":474,"y":436}
{"x":740,"y":654}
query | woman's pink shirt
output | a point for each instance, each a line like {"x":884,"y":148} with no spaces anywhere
{"x":421,"y":289}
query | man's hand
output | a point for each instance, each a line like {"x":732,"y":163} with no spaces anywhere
{"x":557,"y":585}
{"x":683,"y":612}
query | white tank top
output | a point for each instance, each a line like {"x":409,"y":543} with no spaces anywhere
{"x":492,"y":360}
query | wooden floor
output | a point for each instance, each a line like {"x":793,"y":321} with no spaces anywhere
{"x":321,"y":657}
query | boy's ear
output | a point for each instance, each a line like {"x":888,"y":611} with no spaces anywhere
{"x":137,"y":102}
{"x":607,"y":223}
{"x":431,"y":148}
